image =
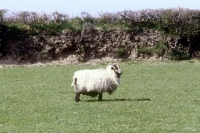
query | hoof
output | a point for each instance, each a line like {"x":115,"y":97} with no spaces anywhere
{"x":77,"y":100}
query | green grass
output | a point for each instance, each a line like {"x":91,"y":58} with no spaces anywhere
{"x":152,"y":97}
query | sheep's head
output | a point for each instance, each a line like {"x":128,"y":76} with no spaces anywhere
{"x":117,"y":70}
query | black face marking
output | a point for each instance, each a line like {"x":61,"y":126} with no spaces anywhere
{"x":117,"y":70}
{"x":115,"y":66}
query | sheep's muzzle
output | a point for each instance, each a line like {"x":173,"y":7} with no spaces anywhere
{"x":119,"y":74}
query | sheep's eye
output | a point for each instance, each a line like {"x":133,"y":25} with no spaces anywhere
{"x":112,"y":68}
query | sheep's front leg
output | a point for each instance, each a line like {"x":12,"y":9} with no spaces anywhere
{"x":100,"y":97}
{"x":77,"y":97}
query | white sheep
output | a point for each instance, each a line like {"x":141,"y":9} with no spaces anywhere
{"x":96,"y":82}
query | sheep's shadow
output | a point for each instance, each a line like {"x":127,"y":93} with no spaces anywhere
{"x":119,"y":99}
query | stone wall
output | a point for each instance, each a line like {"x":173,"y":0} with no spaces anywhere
{"x":89,"y":44}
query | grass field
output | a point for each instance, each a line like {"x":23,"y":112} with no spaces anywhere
{"x":153,"y":97}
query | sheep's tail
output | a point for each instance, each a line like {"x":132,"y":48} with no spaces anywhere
{"x":74,"y":82}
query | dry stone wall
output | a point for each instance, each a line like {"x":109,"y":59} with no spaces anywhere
{"x":89,"y":44}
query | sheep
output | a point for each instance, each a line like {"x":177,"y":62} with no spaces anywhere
{"x":96,"y":82}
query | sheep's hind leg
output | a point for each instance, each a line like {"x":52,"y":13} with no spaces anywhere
{"x":100,"y":97}
{"x":77,"y":97}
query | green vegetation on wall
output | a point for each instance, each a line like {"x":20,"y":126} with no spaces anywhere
{"x":179,"y":23}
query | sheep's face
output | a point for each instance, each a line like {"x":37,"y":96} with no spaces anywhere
{"x":117,"y":70}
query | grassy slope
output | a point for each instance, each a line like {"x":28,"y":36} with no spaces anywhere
{"x":153,"y":97}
